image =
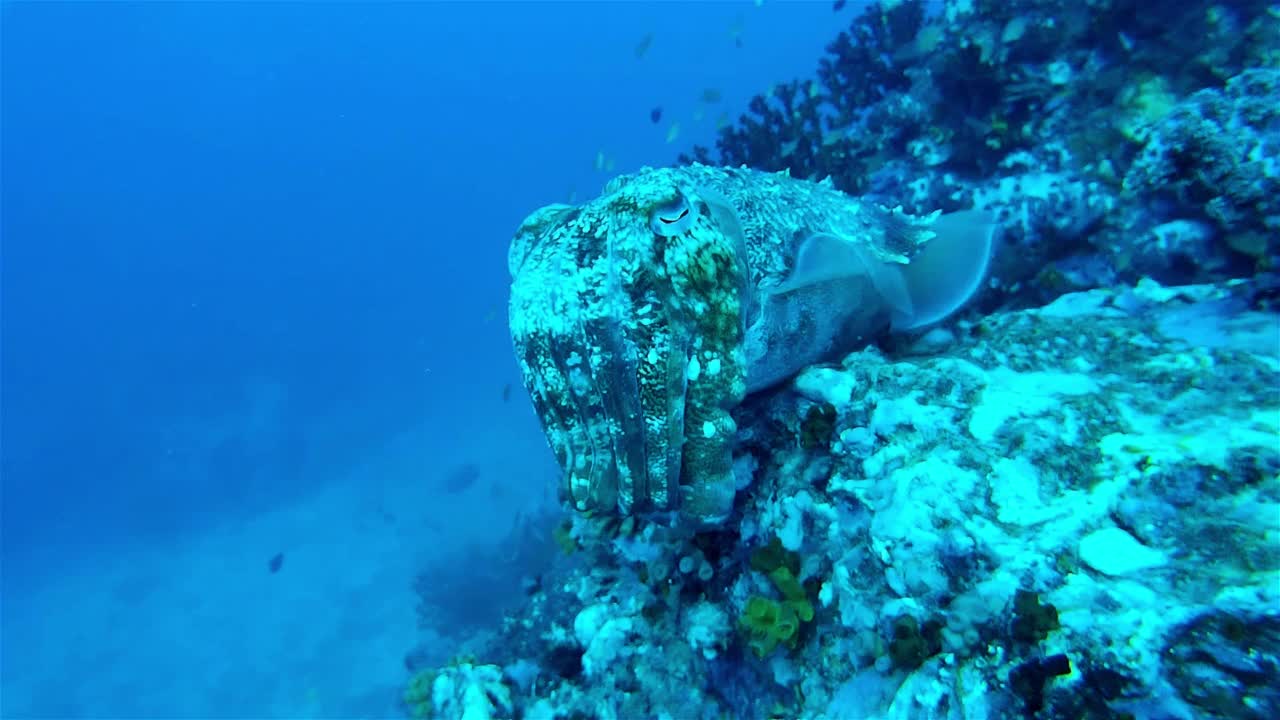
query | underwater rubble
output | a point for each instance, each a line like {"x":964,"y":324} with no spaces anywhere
{"x":1063,"y":505}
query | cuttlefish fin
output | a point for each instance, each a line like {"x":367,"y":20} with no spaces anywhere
{"x":824,"y":257}
{"x":948,"y":269}
{"x":940,"y":278}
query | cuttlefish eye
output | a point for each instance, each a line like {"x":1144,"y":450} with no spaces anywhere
{"x":671,"y":218}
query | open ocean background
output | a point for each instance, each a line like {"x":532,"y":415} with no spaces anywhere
{"x":253,"y":292}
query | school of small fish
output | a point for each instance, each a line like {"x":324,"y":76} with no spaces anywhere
{"x":604,"y":162}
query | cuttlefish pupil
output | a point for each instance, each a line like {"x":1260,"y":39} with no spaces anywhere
{"x":677,"y":218}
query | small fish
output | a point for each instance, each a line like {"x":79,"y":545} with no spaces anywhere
{"x":506,"y":393}
{"x":711,"y":95}
{"x":655,"y":115}
{"x":837,"y":6}
{"x":673,"y":132}
{"x":608,"y":164}
{"x":599,"y":160}
{"x":735,"y":31}
{"x":643,"y":46}
{"x":460,"y":478}
{"x":275,"y":563}
{"x":722,"y":121}
{"x":698,"y":114}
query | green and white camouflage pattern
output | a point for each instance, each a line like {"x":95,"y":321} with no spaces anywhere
{"x":643,"y":317}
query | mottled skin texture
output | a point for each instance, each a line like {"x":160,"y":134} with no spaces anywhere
{"x":643,"y":317}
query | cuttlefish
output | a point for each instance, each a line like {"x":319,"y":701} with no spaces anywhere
{"x":642,"y":318}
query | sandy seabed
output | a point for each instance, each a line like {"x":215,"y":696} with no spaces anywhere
{"x":201,"y":628}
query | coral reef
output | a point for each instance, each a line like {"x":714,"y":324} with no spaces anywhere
{"x":1061,"y":504}
{"x":460,"y":690}
{"x":1065,"y":511}
{"x":1086,"y":128}
{"x":1212,"y":162}
{"x":768,"y":622}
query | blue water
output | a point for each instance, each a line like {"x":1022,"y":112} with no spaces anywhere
{"x":253,"y":295}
